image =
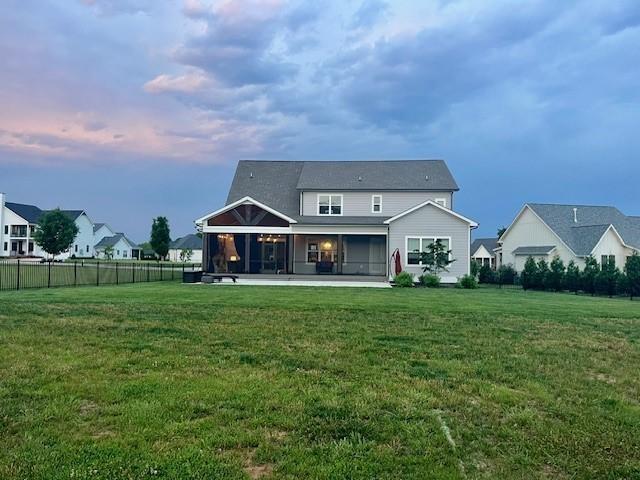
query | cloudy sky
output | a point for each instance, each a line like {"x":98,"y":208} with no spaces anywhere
{"x":136,"y":108}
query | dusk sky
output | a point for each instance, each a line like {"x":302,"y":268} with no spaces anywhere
{"x":130,"y":109}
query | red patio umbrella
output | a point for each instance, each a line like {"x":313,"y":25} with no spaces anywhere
{"x":397,"y":263}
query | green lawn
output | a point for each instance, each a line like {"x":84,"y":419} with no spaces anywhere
{"x":186,"y":381}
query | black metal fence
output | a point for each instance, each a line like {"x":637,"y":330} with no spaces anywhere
{"x":21,"y":274}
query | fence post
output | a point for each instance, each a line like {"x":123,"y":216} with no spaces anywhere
{"x":147,"y":272}
{"x":18,"y":277}
{"x":97,"y":274}
{"x":133,"y":273}
{"x":160,"y":271}
{"x":49,"y":275}
{"x":117,"y":279}
{"x":75,"y":274}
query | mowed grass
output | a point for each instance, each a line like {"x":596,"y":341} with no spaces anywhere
{"x":186,"y":381}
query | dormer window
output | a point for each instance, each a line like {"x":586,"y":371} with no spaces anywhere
{"x":376,"y":204}
{"x":329,"y":204}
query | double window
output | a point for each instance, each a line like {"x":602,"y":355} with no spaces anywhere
{"x":329,"y":204}
{"x":608,"y":260}
{"x":376,"y":204}
{"x":416,"y":246}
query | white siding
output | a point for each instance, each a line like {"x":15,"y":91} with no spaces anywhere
{"x":83,"y":240}
{"x":358,"y":204}
{"x":430,"y":221}
{"x":102,"y":232}
{"x":119,"y":250}
{"x":174,"y":255}
{"x":528,"y":230}
{"x":610,"y":245}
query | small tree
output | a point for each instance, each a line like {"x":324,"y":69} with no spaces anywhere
{"x":554,"y":279}
{"x":160,"y":236}
{"x":186,"y":254}
{"x":606,"y":281}
{"x":486,"y":274}
{"x":572,"y":277}
{"x":632,"y":271}
{"x":474,"y":269}
{"x":529,"y":274}
{"x":505,"y":275}
{"x":436,"y":259}
{"x":543,"y":270}
{"x":591,"y":270}
{"x":108,"y":253}
{"x":501,"y":231}
{"x":55,"y":233}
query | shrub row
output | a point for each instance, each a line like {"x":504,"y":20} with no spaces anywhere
{"x":593,"y":279}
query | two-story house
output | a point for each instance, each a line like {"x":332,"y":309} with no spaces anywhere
{"x":337,"y":217}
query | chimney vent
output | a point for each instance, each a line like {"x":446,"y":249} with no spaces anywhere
{"x":359,"y":178}
{"x":575,"y":215}
{"x":251,"y":175}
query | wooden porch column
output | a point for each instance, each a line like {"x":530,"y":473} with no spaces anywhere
{"x":247,"y":253}
{"x":339,"y":255}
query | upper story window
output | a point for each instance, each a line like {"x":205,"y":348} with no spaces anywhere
{"x":329,"y":204}
{"x":441,"y":201}
{"x":608,"y":260}
{"x":376,"y":204}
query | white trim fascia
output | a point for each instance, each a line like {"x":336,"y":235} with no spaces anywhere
{"x":611,"y":227}
{"x":431,"y":202}
{"x":242,"y":201}
{"x":244,"y":229}
{"x":342,"y":230}
{"x":526,"y":205}
{"x":330,"y":205}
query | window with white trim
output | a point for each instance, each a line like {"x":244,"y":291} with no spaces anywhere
{"x":329,"y":204}
{"x":376,"y":203}
{"x":418,"y":245}
{"x":441,"y":201}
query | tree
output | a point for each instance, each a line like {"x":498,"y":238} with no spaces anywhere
{"x":572,"y":277}
{"x":632,"y":271}
{"x":541,"y":275}
{"x":501,"y":231}
{"x":160,"y":236}
{"x":486,"y":274}
{"x":437,"y":258}
{"x":108,"y":253}
{"x":607,"y":279}
{"x":554,"y":279}
{"x":475,"y":269}
{"x":186,"y":254}
{"x":505,"y":275}
{"x":591,"y":269}
{"x":55,"y":233}
{"x":529,"y":274}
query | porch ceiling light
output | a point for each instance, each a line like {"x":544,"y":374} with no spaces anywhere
{"x":327,"y":245}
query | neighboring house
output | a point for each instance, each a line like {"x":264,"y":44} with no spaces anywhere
{"x":572,"y":232}
{"x":300,"y":217}
{"x":483,"y":251}
{"x":18,"y":222}
{"x":189,"y":242}
{"x":101,"y":230}
{"x":122,"y":247}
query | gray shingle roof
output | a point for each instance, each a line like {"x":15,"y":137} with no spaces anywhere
{"x":30,"y":213}
{"x":533,"y":250}
{"x":489,"y":243}
{"x":592,"y":221}
{"x":277,"y":183}
{"x":111,"y":241}
{"x":192,"y":241}
{"x":424,"y":175}
{"x":98,"y":226}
